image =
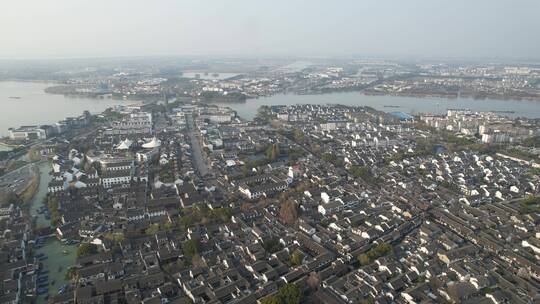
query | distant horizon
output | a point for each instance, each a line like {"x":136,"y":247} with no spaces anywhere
{"x":442,"y":59}
{"x":32,"y":29}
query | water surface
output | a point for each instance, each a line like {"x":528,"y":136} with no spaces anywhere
{"x":26,"y":103}
{"x":411,"y":105}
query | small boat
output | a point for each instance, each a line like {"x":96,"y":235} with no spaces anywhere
{"x":65,"y":252}
{"x":52,"y":282}
{"x":42,"y":280}
{"x":39,"y":255}
{"x":60,"y":268}
{"x":62,"y":288}
{"x":44,"y":271}
{"x":14,"y":97}
{"x":42,"y":290}
{"x":46,"y":297}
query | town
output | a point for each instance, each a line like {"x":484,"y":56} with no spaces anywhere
{"x":187,"y":202}
{"x":219,"y":80}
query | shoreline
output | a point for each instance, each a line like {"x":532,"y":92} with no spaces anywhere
{"x":363,"y":91}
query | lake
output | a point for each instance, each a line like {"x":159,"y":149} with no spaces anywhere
{"x":411,"y":105}
{"x":26,"y":103}
{"x":37,"y":107}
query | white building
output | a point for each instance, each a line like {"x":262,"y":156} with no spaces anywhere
{"x":27,"y":133}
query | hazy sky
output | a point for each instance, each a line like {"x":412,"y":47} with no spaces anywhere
{"x":423,"y":28}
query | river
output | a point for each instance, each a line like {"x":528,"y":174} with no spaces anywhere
{"x":411,"y":105}
{"x":59,"y":256}
{"x":26,"y":103}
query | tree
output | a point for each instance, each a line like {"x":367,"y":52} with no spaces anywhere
{"x":289,"y":294}
{"x":71,"y":273}
{"x":190,"y":248}
{"x":272,"y":245}
{"x":298,"y":135}
{"x":153,"y":229}
{"x":86,"y":249}
{"x":288,"y":212}
{"x":8,"y":197}
{"x":186,"y":222}
{"x":363,"y":259}
{"x":296,"y":258}
{"x":272,"y":152}
{"x":314,"y":280}
{"x":53,"y":205}
{"x":374,"y":253}
{"x":270,"y":300}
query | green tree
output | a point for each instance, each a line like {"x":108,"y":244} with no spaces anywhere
{"x":374,"y":253}
{"x":190,"y":248}
{"x":298,"y":135}
{"x":296,"y":258}
{"x":270,"y":300}
{"x":289,"y":294}
{"x":272,"y":245}
{"x":153,"y":229}
{"x":86,"y":249}
{"x":272,"y":152}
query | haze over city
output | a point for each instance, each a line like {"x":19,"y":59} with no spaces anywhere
{"x":120,"y":28}
{"x":269,"y":152}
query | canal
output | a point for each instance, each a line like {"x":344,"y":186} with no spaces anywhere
{"x":59,"y":257}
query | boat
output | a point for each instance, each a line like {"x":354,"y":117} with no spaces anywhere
{"x":44,"y":271}
{"x":14,"y":97}
{"x":52,"y":282}
{"x":42,"y":290}
{"x":60,"y":268}
{"x":42,"y":280}
{"x":62,"y":288}
{"x":65,"y":252}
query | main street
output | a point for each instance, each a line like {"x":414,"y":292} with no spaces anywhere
{"x":196,"y":149}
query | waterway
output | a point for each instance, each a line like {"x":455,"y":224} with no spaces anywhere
{"x":411,"y":105}
{"x":26,"y":103}
{"x":59,"y":256}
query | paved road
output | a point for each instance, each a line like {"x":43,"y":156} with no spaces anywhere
{"x":18,"y":180}
{"x":196,"y":149}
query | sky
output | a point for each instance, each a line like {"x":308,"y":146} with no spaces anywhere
{"x":398,"y":28}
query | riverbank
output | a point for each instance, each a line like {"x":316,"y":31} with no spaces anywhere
{"x":58,"y":256}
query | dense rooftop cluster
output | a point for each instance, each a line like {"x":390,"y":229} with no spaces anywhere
{"x":314,"y":203}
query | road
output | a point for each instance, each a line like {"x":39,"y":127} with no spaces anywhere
{"x":196,"y":150}
{"x":19,"y":179}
